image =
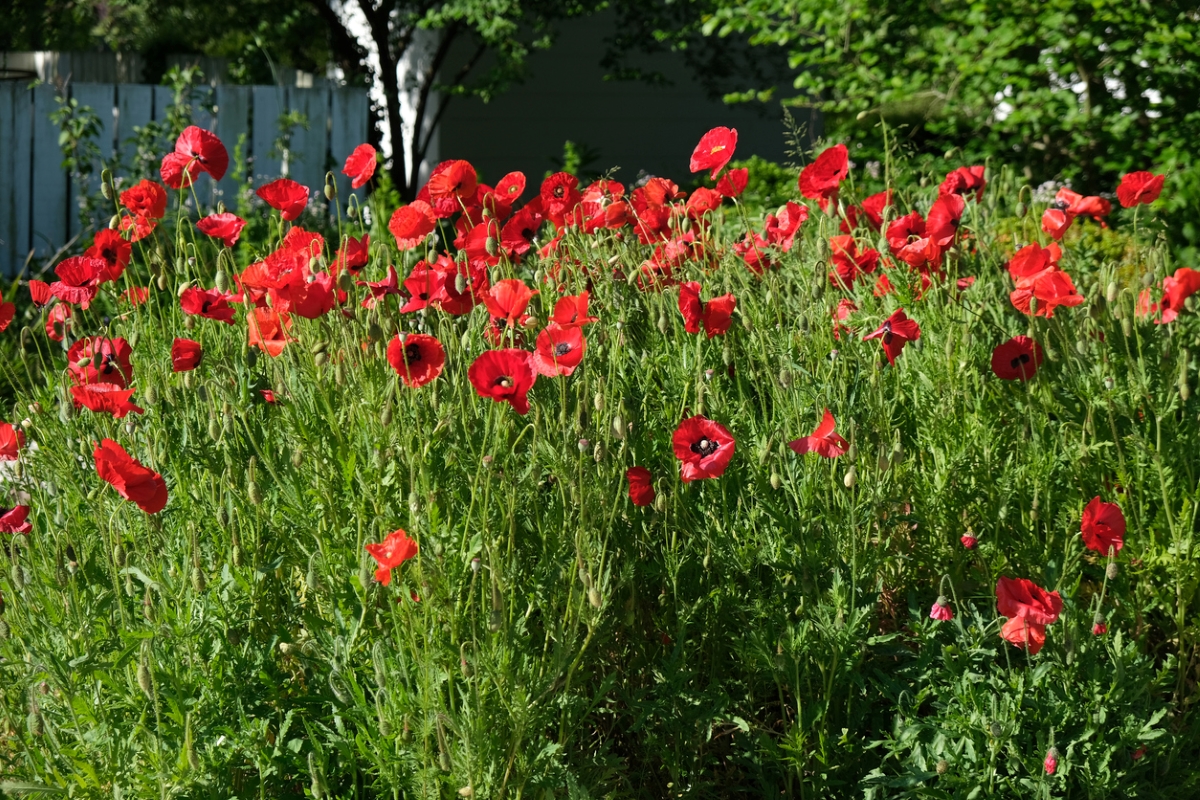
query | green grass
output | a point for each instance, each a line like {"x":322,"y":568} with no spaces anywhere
{"x":765,"y":633}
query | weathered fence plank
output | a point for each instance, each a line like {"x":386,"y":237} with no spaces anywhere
{"x":347,"y":130}
{"x":49,"y":208}
{"x":101,"y":98}
{"x":269,"y":103}
{"x":310,"y":146}
{"x":135,"y":108}
{"x":233,"y":128}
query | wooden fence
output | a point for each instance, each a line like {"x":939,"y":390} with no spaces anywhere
{"x":39,"y":202}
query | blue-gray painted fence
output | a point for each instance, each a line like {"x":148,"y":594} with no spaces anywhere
{"x":39,"y":202}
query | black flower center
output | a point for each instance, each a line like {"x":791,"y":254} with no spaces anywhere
{"x":412,"y":353}
{"x":561,"y":349}
{"x":705,"y":447}
{"x":503,"y":381}
{"x":1021,"y":360}
{"x":559,"y":191}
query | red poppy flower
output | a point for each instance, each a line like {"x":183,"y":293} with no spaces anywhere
{"x":511,"y":187}
{"x":378,"y":290}
{"x":57,"y":321}
{"x":875,"y":205}
{"x":12,"y":439}
{"x":824,"y":442}
{"x":1139,"y":188}
{"x":1176,"y":289}
{"x":113,"y":249}
{"x":78,"y":280}
{"x":941,"y":225}
{"x":453,"y":179}
{"x":715,"y":315}
{"x":178,"y":170}
{"x":845,"y":308}
{"x":310,"y":299}
{"x":14,"y":520}
{"x":1025,"y":634}
{"x":753,"y":250}
{"x":896,"y":331}
{"x":714,"y":151}
{"x":703,"y":447}
{"x":106,"y":398}
{"x":964,"y":181}
{"x":425,"y":286}
{"x":417,"y":358}
{"x":1020,"y":597}
{"x":391,"y":553}
{"x":848,"y":263}
{"x":268,"y":330}
{"x":204,"y":149}
{"x":226,"y":227}
{"x":506,"y":376}
{"x":185,"y":355}
{"x":820,"y":180}
{"x":353,"y":255}
{"x":1078,"y":205}
{"x":1051,"y":289}
{"x":572,"y":310}
{"x":733,"y":182}
{"x":559,"y":350}
{"x":1055,"y":222}
{"x":207,"y":303}
{"x":137,"y":228}
{"x":1103,"y":527}
{"x":941,"y":611}
{"x":410,"y":224}
{"x":104,"y":360}
{"x":507,"y":301}
{"x":781,"y":227}
{"x":360,"y":165}
{"x":145,"y":199}
{"x":560,"y":195}
{"x":285,"y":196}
{"x":641,"y":486}
{"x":39,"y":292}
{"x":701,"y":202}
{"x":7,"y":311}
{"x":129,"y":477}
{"x":136,"y":295}
{"x":1017,"y":359}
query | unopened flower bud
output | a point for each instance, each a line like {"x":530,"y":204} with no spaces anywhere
{"x":851,"y":478}
{"x":594,"y":598}
{"x":943,"y":766}
{"x":776,"y":481}
{"x":1110,"y":571}
{"x":222,"y":281}
{"x":491,"y":245}
{"x":1051,"y":762}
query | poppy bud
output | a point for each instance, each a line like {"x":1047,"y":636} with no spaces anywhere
{"x":222,"y":281}
{"x":106,"y":187}
{"x":214,"y":429}
{"x":385,"y":416}
{"x":114,"y":222}
{"x":1022,"y":210}
{"x":162,"y":282}
{"x":584,"y":445}
{"x":37,"y":725}
{"x":18,"y":577}
{"x":491,"y":245}
{"x":776,"y":481}
{"x":339,"y":373}
{"x":1109,"y":382}
{"x":1051,"y":762}
{"x":254,"y":493}
{"x":851,"y":478}
{"x":996,"y":730}
{"x":145,"y":679}
{"x":198,"y":581}
{"x":330,"y":192}
{"x":598,"y":453}
{"x":883,"y":463}
{"x":943,"y":766}
{"x":663,"y":323}
{"x":660,"y":503}
{"x":1110,"y":293}
{"x":321,"y":359}
{"x":852,"y":453}
{"x":785,"y":378}
{"x":594,"y":597}
{"x":1126,"y":328}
